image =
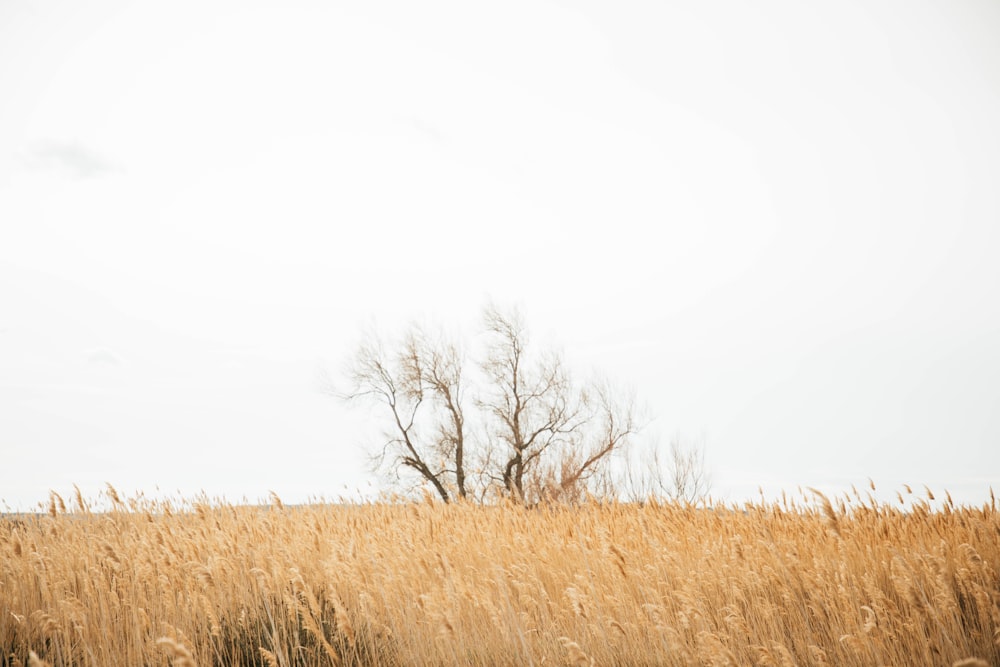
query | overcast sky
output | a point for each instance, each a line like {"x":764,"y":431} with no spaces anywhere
{"x":778,"y":221}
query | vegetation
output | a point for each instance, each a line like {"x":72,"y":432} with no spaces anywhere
{"x":812,"y":582}
{"x":512,"y":424}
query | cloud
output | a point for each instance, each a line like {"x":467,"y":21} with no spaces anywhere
{"x":69,"y":158}
{"x":102,"y":356}
{"x":428,"y":130}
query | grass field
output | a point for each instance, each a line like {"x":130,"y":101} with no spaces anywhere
{"x":808,"y":583}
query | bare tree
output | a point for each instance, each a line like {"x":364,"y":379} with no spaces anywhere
{"x":420,"y":386}
{"x":690,"y":480}
{"x":682,"y":477}
{"x":530,"y":402}
{"x":576,"y":468}
{"x":443,"y":379}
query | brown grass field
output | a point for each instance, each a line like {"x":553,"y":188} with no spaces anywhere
{"x":847,"y":582}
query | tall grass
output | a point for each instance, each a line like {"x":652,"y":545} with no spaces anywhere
{"x":815,"y":583}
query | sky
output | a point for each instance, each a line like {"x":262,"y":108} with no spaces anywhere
{"x":777,"y":222}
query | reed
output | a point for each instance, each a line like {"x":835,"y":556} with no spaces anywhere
{"x":818,"y":581}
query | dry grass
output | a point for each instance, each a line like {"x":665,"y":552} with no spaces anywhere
{"x":819,"y":583}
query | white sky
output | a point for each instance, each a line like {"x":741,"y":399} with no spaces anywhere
{"x":778,"y":221}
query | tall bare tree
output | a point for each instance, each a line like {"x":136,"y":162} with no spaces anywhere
{"x":420,"y":386}
{"x":530,"y":402}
